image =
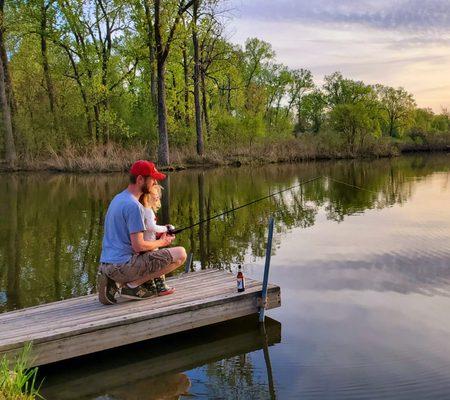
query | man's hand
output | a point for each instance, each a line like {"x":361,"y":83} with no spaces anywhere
{"x":166,"y":239}
{"x":139,"y":244}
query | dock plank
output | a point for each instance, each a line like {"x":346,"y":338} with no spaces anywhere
{"x":93,"y":307}
{"x":77,"y":302}
{"x":74,"y":327}
{"x":116,"y":315}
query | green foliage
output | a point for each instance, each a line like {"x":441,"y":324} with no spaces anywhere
{"x":311,"y":112}
{"x":397,"y":106}
{"x":338,"y":90}
{"x":100,"y":68}
{"x":354,"y":124}
{"x":20,"y":382}
{"x":425,"y":120}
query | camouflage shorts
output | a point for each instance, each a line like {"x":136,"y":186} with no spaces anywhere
{"x":139,"y":266}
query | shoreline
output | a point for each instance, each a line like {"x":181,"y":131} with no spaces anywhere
{"x":196,"y":162}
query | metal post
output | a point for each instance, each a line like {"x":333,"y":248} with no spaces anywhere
{"x":266,"y":271}
{"x":188,"y":264}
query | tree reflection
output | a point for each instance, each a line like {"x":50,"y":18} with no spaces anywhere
{"x":13,"y":244}
{"x":51,"y":225}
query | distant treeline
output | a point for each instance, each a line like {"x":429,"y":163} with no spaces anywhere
{"x":162,"y":74}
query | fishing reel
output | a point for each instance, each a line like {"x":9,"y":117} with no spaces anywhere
{"x":171,"y":230}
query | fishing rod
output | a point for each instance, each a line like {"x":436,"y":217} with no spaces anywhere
{"x":176,"y":231}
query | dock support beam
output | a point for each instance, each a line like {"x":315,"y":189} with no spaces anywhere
{"x":263,"y":300}
{"x":187,"y":267}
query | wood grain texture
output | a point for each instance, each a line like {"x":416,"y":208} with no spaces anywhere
{"x":74,"y":327}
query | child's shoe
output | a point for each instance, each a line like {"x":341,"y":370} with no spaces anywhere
{"x":161,"y":286}
{"x":150,"y":286}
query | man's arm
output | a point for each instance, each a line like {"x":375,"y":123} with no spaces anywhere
{"x":139,"y":244}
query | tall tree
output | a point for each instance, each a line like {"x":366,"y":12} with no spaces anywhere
{"x":210,"y":54}
{"x":151,"y":50}
{"x":302,"y":83}
{"x":185,"y":61}
{"x":398,"y":105}
{"x":257,"y":54}
{"x":339,"y":90}
{"x":311,"y":112}
{"x":198,"y":111}
{"x":10,"y":149}
{"x":43,"y":33}
{"x":162,"y":51}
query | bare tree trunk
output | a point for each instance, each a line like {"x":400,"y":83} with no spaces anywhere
{"x":162,"y":51}
{"x":186,"y":87}
{"x":105,"y":102}
{"x":177,"y":105}
{"x":391,"y":126}
{"x":198,"y":111}
{"x":97,"y":122}
{"x":45,"y":65}
{"x":205,"y":106}
{"x":106,"y":128}
{"x":87,"y":109}
{"x":151,"y":52}
{"x":10,"y":149}
{"x":8,"y":81}
{"x":163,"y":147}
{"x":6,"y":98}
{"x":228,"y":93}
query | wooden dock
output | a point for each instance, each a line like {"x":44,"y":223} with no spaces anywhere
{"x":79,"y":326}
{"x":147,"y":367}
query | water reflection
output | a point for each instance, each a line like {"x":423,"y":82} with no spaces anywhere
{"x":365,"y":277}
{"x":51,"y":224}
{"x":153,"y":369}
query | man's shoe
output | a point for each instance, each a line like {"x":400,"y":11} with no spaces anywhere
{"x":161,"y":286}
{"x":137,"y":293}
{"x":106,"y":288}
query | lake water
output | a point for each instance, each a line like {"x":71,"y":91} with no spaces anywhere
{"x":364,"y":273}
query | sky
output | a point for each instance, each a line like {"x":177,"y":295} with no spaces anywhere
{"x":393,"y":42}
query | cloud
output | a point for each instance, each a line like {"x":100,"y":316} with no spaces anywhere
{"x":396,"y":42}
{"x":431,"y":16}
{"x":420,"y":41}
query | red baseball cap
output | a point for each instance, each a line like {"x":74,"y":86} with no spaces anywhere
{"x":146,"y":168}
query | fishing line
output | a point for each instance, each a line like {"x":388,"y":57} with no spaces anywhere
{"x":353,"y":186}
{"x":176,"y":231}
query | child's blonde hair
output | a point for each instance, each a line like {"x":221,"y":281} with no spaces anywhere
{"x":153,"y":198}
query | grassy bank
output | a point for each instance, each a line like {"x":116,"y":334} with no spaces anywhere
{"x":113,"y":157}
{"x":19,"y":382}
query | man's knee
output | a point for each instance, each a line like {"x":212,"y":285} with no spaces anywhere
{"x":178,"y":254}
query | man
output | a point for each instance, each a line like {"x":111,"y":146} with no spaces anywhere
{"x":126,"y":257}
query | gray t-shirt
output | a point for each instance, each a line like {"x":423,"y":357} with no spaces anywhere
{"x":125,"y":215}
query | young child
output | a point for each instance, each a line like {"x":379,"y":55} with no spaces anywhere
{"x":152,"y":203}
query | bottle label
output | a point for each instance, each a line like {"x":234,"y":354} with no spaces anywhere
{"x":240,"y":284}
